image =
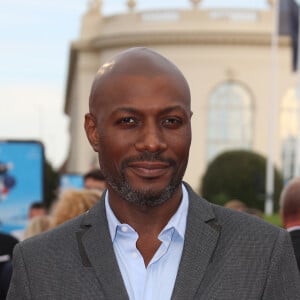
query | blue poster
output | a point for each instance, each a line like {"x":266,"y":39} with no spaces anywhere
{"x":21,"y":182}
{"x":71,"y":180}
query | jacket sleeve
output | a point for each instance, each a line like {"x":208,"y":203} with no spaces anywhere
{"x":283,"y":280}
{"x":19,"y":285}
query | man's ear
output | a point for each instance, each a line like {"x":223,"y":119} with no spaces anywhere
{"x":90,"y":126}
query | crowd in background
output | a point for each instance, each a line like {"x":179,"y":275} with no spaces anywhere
{"x":69,"y":204}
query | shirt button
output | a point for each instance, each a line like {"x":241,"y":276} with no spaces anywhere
{"x":134,"y":255}
{"x":124,"y":228}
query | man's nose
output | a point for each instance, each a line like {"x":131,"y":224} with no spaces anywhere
{"x":151,"y":139}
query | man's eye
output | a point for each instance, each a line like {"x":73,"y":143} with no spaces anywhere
{"x":172,"y":122}
{"x":127,"y":121}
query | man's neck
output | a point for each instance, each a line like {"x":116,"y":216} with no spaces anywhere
{"x":148,"y":222}
{"x":144,"y":219}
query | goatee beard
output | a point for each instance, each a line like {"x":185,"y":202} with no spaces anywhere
{"x":147,"y":197}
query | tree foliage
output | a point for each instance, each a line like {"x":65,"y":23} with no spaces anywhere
{"x":239,"y":175}
{"x":51,"y":182}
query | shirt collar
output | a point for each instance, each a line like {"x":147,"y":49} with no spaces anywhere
{"x":293,"y":228}
{"x":177,"y":221}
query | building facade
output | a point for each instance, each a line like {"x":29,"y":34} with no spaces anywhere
{"x":227,"y":59}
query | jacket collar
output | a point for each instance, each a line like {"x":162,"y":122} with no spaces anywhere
{"x":96,"y":251}
{"x":201,"y":236}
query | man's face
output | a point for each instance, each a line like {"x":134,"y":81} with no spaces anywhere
{"x":142,"y":134}
{"x":91,"y":183}
{"x":35,"y":212}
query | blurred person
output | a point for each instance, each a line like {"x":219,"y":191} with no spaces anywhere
{"x":37,"y":225}
{"x":242,"y":207}
{"x":94,"y":179}
{"x":5,"y":277}
{"x":37,"y":209}
{"x":7,"y":244}
{"x":254,"y":211}
{"x":289,"y":203}
{"x":236,"y":205}
{"x":72,"y":203}
{"x":149,"y":221}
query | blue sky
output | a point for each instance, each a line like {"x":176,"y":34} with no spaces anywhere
{"x":35,"y":37}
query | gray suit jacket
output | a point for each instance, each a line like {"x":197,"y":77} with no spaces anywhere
{"x":227,"y":255}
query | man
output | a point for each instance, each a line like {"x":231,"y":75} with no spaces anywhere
{"x":36,"y":209}
{"x":7,"y":244}
{"x":236,"y":204}
{"x":151,"y":236}
{"x":290,"y":213}
{"x":5,"y":276}
{"x":94,"y":179}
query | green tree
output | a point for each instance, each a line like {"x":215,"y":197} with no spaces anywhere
{"x":51,"y":184}
{"x":239,"y":175}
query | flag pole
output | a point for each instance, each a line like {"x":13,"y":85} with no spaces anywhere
{"x":272,"y":105}
{"x":297,"y":152}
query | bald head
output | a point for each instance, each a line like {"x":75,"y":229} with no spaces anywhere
{"x":135,"y":62}
{"x":290,"y":203}
{"x":140,"y":112}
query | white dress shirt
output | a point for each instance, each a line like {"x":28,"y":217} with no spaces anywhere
{"x":156,"y":281}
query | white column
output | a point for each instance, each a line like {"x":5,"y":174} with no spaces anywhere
{"x":297,"y":152}
{"x":273,"y":105}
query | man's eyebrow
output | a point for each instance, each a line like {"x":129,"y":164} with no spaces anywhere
{"x":137,"y":111}
{"x":172,"y":108}
{"x":126,"y":109}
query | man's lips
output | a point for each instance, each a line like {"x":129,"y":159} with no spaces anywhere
{"x":149,"y":169}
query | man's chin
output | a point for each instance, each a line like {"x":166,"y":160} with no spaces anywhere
{"x":153,"y":187}
{"x":149,"y":197}
{"x":148,"y":194}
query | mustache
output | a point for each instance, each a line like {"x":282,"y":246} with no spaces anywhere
{"x":147,"y":156}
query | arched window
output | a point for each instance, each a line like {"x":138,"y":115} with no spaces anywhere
{"x":288,"y":133}
{"x":230,"y":119}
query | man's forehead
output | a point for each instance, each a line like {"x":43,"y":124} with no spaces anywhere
{"x":137,"y":61}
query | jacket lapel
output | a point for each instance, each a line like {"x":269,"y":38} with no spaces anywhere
{"x":201,"y":236}
{"x":96,"y":251}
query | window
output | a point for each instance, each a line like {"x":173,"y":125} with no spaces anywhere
{"x":230,"y":118}
{"x":288,"y":133}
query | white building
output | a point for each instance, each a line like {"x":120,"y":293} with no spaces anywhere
{"x":226,"y":58}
